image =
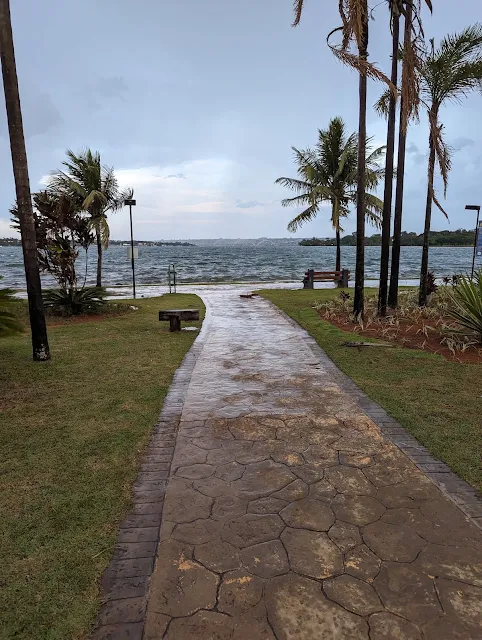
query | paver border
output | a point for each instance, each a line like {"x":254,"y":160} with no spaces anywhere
{"x":461,"y":493}
{"x":125,"y":582}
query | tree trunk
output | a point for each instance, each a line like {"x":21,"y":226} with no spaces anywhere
{"x":402,"y":141}
{"x":338,"y":250}
{"x":423,"y":293}
{"x":99,"y":256}
{"x":387,"y":195}
{"x":40,"y":345}
{"x":359,"y":301}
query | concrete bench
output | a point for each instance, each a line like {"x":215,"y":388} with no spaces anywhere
{"x":339,"y":277}
{"x":176,"y":315}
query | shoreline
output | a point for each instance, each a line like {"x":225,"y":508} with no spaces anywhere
{"x":124,"y":291}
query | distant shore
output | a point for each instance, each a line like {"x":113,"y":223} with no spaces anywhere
{"x":458,"y":238}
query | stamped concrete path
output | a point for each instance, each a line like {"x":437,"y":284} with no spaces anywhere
{"x":289,"y":514}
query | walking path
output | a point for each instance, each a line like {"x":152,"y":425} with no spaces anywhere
{"x":288,"y":513}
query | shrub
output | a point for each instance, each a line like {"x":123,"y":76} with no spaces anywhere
{"x":8,"y":321}
{"x":467,"y":305}
{"x":74,"y":302}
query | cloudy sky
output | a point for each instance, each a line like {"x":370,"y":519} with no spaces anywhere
{"x":197,"y":103}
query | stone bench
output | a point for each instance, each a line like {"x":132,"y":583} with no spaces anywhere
{"x":176,"y":315}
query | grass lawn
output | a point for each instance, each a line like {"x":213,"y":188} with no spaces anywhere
{"x":438,"y":401}
{"x":71,"y":432}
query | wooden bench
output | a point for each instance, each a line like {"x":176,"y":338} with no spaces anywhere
{"x":176,"y":315}
{"x":341,"y":278}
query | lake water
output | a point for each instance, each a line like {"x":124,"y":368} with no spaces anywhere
{"x":242,"y":261}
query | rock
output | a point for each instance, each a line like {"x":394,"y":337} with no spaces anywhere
{"x":353,"y":594}
{"x":308,"y":514}
{"x":217,"y":555}
{"x":345,"y":536}
{"x":180,"y":586}
{"x":357,"y":510}
{"x":393,"y":543}
{"x":266,"y":560}
{"x":204,"y":624}
{"x":263,"y":478}
{"x":407,"y":593}
{"x":312,"y":553}
{"x":362,"y":563}
{"x":298,"y":610}
{"x":252,"y":529}
{"x":240,"y":591}
{"x":386,"y":626}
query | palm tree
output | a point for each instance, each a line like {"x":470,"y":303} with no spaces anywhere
{"x":328,"y":174}
{"x":449,"y":73}
{"x":409,"y":104}
{"x":94,"y":188}
{"x":395,"y":11}
{"x":38,"y":325}
{"x":354,"y":30}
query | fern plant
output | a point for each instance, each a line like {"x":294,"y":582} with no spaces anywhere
{"x":467,"y":305}
{"x":8,"y":321}
{"x":73,"y":302}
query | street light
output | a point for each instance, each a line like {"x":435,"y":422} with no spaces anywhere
{"x":131,"y":204}
{"x":474,"y":207}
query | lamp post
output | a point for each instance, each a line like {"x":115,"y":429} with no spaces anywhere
{"x":131,"y":204}
{"x":474,"y":207}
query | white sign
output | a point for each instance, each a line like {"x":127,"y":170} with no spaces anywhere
{"x":129,"y":253}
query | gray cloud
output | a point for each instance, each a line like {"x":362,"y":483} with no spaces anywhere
{"x":155,"y":95}
{"x":249,"y":204}
{"x":40,"y":115}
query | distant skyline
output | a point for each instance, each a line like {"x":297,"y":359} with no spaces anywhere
{"x":197,"y":106}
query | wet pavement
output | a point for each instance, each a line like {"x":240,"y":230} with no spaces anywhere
{"x":288,"y":513}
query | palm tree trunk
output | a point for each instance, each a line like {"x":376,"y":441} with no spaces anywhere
{"x":40,"y":345}
{"x":338,"y":250}
{"x":423,"y":293}
{"x":99,"y":256}
{"x":402,"y":141}
{"x":387,"y":195}
{"x":359,"y":301}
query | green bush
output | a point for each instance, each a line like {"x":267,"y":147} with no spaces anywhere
{"x":467,"y":305}
{"x":8,"y":321}
{"x":74,"y":302}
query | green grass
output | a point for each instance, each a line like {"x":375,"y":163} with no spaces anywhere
{"x":71,"y":433}
{"x":438,"y":401}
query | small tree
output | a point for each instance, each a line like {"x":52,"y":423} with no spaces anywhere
{"x":61,"y":229}
{"x":93,"y":187}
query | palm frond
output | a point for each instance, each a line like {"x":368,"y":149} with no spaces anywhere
{"x":294,"y":184}
{"x":305,"y":216}
{"x":298,"y":10}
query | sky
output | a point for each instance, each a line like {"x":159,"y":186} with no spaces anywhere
{"x":197,"y":103}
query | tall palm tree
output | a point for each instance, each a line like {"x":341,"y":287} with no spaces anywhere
{"x":95,"y":189}
{"x":354,"y":31}
{"x":328,"y":174}
{"x":449,"y":73}
{"x":395,"y":11}
{"x":40,"y":345}
{"x":409,"y":104}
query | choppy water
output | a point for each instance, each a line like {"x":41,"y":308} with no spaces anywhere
{"x":242,"y":262}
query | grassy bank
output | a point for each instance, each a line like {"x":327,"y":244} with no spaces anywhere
{"x":71,"y":432}
{"x":438,"y":401}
